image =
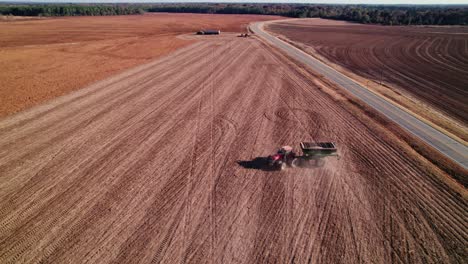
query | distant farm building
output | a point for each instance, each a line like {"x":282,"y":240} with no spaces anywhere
{"x":209,"y":32}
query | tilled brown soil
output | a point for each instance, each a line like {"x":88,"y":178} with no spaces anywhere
{"x":163,"y":163}
{"x":429,"y":63}
{"x":45,"y":58}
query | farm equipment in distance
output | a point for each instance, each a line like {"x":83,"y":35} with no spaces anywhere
{"x":312,"y":155}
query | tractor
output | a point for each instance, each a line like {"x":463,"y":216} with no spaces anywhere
{"x":312,"y":155}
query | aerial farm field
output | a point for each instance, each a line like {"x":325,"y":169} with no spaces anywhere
{"x":164,"y":163}
{"x":424,"y":69}
{"x":46,"y":58}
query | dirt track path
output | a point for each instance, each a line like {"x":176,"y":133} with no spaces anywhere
{"x":159,"y":165}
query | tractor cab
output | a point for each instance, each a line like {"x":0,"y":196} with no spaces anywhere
{"x":285,"y":150}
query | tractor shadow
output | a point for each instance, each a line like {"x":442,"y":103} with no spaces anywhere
{"x":258,"y":163}
{"x":261,"y":163}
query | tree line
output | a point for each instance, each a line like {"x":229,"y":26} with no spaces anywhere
{"x":376,"y":14}
{"x":70,"y":10}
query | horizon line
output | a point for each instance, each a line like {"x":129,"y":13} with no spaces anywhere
{"x":222,"y":2}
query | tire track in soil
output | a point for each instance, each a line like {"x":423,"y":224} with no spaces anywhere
{"x":176,"y":100}
{"x":151,"y":175}
{"x":377,"y":154}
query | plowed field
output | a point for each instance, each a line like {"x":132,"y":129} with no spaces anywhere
{"x":164,"y":163}
{"x":427,"y":63}
{"x":46,"y":58}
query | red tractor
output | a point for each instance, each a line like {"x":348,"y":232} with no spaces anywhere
{"x":312,"y":152}
{"x":283,"y":158}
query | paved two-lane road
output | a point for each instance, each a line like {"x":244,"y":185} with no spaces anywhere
{"x":443,"y":143}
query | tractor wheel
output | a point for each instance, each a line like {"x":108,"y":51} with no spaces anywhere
{"x":296,"y":163}
{"x":284,"y":166}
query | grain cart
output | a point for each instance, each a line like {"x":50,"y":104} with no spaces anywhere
{"x":312,"y":155}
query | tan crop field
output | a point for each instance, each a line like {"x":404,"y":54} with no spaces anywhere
{"x":424,"y":69}
{"x":165,"y":162}
{"x":43,"y":59}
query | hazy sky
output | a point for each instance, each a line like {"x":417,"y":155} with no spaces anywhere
{"x":266,"y":1}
